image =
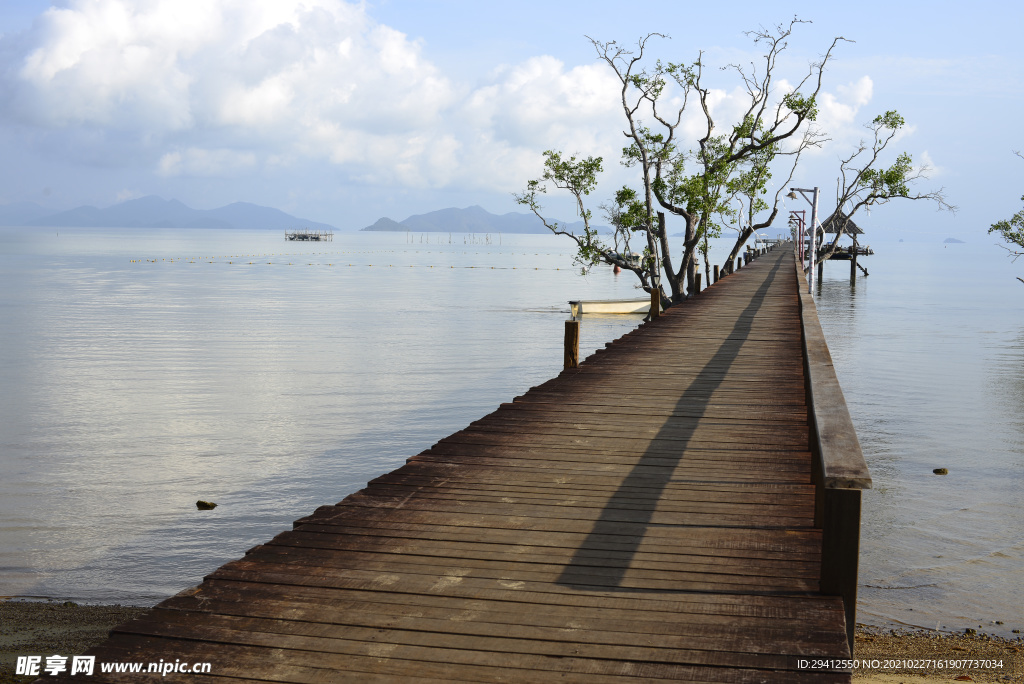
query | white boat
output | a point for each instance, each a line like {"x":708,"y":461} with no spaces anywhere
{"x":610,"y":306}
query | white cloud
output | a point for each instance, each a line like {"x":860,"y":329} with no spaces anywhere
{"x":266,"y":77}
{"x":205,"y":162}
{"x":221,"y":87}
{"x":924,"y":164}
{"x":839,"y":113}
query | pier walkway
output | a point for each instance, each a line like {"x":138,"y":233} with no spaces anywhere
{"x":682,"y":506}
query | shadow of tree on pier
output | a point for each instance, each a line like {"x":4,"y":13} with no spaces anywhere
{"x":616,"y":538}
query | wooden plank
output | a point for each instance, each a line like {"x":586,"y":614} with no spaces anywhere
{"x":285,"y":665}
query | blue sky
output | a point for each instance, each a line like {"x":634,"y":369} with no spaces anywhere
{"x":346,"y":112}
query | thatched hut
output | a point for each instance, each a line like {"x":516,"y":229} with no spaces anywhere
{"x":833,"y":224}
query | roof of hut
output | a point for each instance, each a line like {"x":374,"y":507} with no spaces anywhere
{"x":832,"y":223}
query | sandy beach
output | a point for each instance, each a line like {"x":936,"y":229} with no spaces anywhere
{"x":46,"y":628}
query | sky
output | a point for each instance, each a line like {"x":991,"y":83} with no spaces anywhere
{"x":345,"y":112}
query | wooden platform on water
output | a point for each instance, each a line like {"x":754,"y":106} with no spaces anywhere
{"x":310,"y":235}
{"x":649,"y":516}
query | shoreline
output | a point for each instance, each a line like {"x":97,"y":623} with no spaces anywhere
{"x":67,"y":628}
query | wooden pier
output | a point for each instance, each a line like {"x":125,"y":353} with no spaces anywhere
{"x":684,"y":505}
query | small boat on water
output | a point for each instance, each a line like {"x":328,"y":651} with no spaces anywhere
{"x":610,"y":306}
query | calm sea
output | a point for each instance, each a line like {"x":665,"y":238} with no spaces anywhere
{"x":144,"y":370}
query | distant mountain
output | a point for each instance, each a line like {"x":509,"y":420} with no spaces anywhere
{"x":245,"y":215}
{"x":20,"y":213}
{"x":471,"y":220}
{"x":387,"y":225}
{"x":953,"y":241}
{"x":156,"y":212}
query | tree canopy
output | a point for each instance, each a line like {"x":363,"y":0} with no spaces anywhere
{"x":864,"y":180}
{"x":718,"y":179}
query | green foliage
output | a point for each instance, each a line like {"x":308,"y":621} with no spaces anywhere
{"x":890,"y":182}
{"x":1012,"y":229}
{"x":863,"y":184}
{"x":631,"y":211}
{"x":579,"y":177}
{"x":802,"y":106}
{"x":575,"y":176}
{"x":891,"y":120}
{"x":710,"y":180}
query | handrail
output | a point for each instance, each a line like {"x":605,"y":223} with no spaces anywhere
{"x":841,"y":459}
{"x":838,"y":469}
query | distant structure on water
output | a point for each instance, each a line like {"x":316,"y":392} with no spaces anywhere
{"x":845,"y":253}
{"x":310,"y":235}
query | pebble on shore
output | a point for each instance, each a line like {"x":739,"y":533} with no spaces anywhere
{"x":47,"y":628}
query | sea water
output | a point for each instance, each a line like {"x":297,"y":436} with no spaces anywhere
{"x":929,"y":350}
{"x":145,"y":370}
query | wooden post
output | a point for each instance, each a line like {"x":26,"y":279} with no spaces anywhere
{"x":840,"y":551}
{"x":716,"y":273}
{"x":696,"y":282}
{"x":572,"y":344}
{"x":853,"y":260}
{"x":655,"y":302}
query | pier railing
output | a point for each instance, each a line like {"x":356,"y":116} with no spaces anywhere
{"x":838,"y":467}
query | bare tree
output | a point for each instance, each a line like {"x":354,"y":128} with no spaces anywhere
{"x":698,"y":182}
{"x":862,"y":183}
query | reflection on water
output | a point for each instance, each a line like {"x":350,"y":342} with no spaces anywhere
{"x":931,"y":366}
{"x":144,"y":371}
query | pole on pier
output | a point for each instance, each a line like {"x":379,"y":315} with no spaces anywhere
{"x":853,"y":261}
{"x":716,"y":273}
{"x":655,"y":302}
{"x":814,"y":235}
{"x":696,"y":282}
{"x":812,"y":252}
{"x":572,"y":344}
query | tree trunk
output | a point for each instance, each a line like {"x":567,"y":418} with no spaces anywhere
{"x":691,"y":263}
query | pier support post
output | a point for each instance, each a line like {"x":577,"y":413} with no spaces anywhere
{"x":696,"y":282}
{"x":716,"y":273}
{"x":655,"y":302}
{"x":572,"y":344}
{"x":840,"y":550}
{"x":853,"y":261}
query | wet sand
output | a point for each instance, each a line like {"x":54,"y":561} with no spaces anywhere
{"x":40,"y":628}
{"x":877,"y":644}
